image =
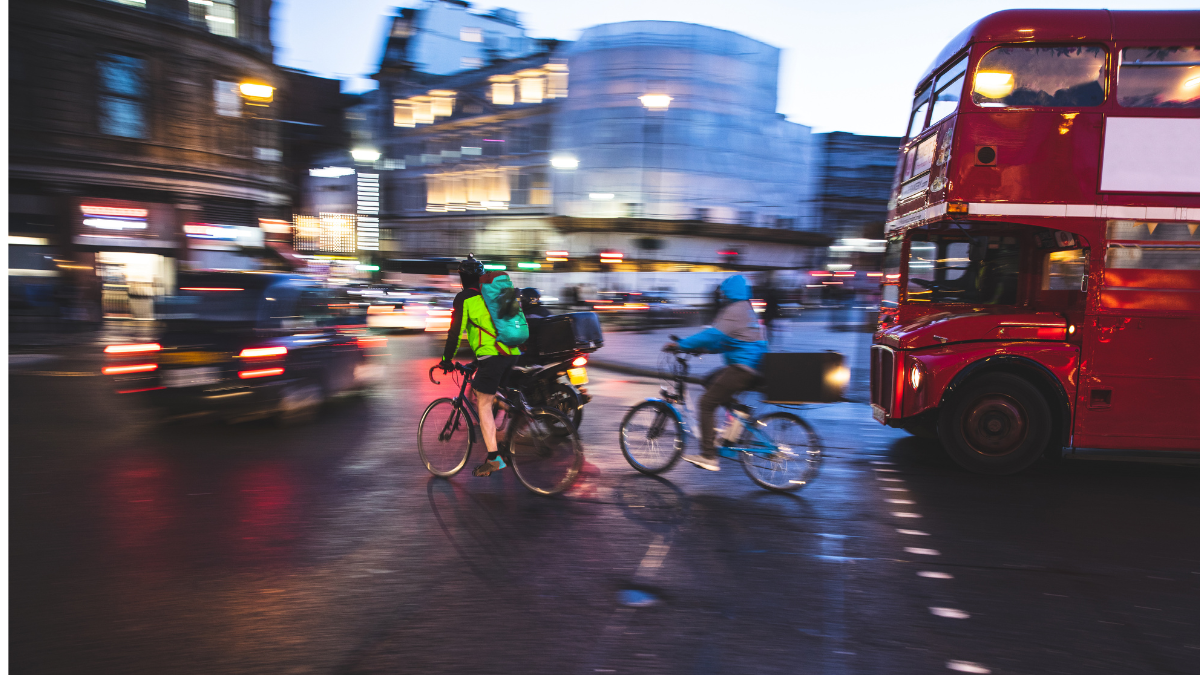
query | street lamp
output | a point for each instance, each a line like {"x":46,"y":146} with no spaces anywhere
{"x":366,"y":155}
{"x":257,"y":92}
{"x":656,"y":101}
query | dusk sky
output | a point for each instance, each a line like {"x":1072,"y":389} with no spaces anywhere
{"x":846,"y":66}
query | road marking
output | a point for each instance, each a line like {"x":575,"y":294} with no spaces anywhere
{"x":914,"y":532}
{"x":949,"y":613}
{"x":928,"y":574}
{"x":654,"y":556}
{"x":899,"y":501}
{"x":901,"y":514}
{"x":888,"y":470}
{"x":878,"y":462}
{"x":892,"y":489}
{"x":967,"y":667}
{"x":890,"y":480}
{"x":920,"y":551}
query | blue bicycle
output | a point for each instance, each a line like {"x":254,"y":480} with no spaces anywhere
{"x":779,"y":451}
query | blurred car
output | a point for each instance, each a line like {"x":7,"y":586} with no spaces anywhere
{"x":636,"y":308}
{"x":411,"y":309}
{"x":247,"y":345}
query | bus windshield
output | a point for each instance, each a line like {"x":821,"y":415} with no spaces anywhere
{"x":956,"y":267}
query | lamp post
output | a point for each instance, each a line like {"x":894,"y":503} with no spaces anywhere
{"x":656,"y":108}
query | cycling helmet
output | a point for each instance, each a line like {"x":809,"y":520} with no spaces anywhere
{"x":531,"y":296}
{"x":470,"y":267}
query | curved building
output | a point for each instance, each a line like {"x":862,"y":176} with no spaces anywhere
{"x":677,"y":121}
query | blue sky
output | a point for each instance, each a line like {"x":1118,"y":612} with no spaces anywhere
{"x":847,"y":65}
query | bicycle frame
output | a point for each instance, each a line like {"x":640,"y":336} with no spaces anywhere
{"x":511,"y":396}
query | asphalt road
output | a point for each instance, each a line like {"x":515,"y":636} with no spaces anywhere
{"x":204,"y":548}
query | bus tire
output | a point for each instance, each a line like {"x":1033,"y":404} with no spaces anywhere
{"x":997,"y":424}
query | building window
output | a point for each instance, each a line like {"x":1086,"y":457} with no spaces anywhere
{"x":471,"y":62}
{"x":122,"y":96}
{"x":540,"y":141}
{"x":470,"y":34}
{"x":219,"y":15}
{"x":227,"y":100}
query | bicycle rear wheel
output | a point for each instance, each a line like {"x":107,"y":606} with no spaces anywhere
{"x":545,"y":450}
{"x":794,"y":459}
{"x":444,"y":438}
{"x":651,"y":437}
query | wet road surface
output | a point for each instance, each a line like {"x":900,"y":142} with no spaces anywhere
{"x":204,"y":548}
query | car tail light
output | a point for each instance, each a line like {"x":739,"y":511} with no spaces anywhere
{"x":125,"y":370}
{"x":579,"y":361}
{"x":369,"y":342}
{"x":263,"y":372}
{"x":259,"y":352}
{"x":133,"y":349}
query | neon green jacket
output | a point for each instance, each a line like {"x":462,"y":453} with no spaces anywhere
{"x":472,"y":322}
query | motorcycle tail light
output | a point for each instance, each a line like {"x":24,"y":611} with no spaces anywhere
{"x":579,"y":361}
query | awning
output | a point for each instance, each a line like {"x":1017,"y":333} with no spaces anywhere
{"x":287,"y":254}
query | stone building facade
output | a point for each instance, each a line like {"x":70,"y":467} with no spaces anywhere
{"x":143,"y":138}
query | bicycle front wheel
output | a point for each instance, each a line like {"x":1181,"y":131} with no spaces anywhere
{"x":651,"y":437}
{"x":444,"y":438}
{"x":545,"y":449}
{"x":793,"y":457}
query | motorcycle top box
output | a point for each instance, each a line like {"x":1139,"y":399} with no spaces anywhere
{"x":578,"y":331}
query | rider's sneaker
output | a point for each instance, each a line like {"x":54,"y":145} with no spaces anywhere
{"x":488,"y":467}
{"x":704,"y":462}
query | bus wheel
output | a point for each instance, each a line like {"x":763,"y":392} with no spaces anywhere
{"x":998,"y":424}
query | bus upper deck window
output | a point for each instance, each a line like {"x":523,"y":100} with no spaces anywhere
{"x":1062,"y":77}
{"x":948,"y":91}
{"x":920,"y":107}
{"x":1159,"y":77}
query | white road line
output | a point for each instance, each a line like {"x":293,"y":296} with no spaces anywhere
{"x":914,"y":532}
{"x":920,"y":551}
{"x":902,"y":514}
{"x":949,"y":613}
{"x":653,"y":558}
{"x":899,"y":501}
{"x":889,"y":470}
{"x":967,"y":667}
{"x":889,"y":480}
{"x":885,"y":463}
{"x":928,"y":574}
{"x":893,"y":489}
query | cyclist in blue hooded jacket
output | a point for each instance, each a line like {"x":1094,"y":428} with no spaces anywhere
{"x":736,"y":333}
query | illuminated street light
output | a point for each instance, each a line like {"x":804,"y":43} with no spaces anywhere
{"x":564,"y":162}
{"x":656,"y":101}
{"x":258,"y":92}
{"x":365,"y":155}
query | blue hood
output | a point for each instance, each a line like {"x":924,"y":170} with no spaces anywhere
{"x":735,"y":288}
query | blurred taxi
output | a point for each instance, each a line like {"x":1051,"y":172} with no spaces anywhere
{"x":248,"y":345}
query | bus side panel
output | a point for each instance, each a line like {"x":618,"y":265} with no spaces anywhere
{"x":944,"y":363}
{"x":1040,"y":157}
{"x":1141,"y":380}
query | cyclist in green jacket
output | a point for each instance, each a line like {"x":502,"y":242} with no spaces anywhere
{"x":472,"y":321}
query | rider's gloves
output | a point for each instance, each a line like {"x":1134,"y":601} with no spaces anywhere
{"x":670,"y":347}
{"x":446,"y":365}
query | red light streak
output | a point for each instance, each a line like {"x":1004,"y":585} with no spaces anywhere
{"x":113,"y":211}
{"x":138,"y":391}
{"x":206,"y":288}
{"x":368,"y":342}
{"x":265,"y":372}
{"x":579,"y":361}
{"x":821,"y":274}
{"x":259,"y":352}
{"x":124,"y":370}
{"x":133,"y":349}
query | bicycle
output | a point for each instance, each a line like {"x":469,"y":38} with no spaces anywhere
{"x":541,"y":444}
{"x":779,"y":451}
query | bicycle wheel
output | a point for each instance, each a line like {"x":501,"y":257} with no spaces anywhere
{"x":651,"y":437}
{"x":545,"y":450}
{"x":796,"y":456}
{"x":444,"y":438}
{"x":567,"y":401}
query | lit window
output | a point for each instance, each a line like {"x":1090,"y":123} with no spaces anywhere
{"x":227,"y":101}
{"x":470,"y":34}
{"x":1159,"y":77}
{"x":471,"y":62}
{"x":1067,"y":77}
{"x":532,"y":89}
{"x":503,"y":93}
{"x":220,"y":16}
{"x":122,"y":89}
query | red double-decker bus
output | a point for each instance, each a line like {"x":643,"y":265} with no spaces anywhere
{"x":1042,"y":274}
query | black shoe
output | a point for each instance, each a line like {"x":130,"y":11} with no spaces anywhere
{"x":489,"y":467}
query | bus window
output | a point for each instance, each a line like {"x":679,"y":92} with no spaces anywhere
{"x":1040,"y":76}
{"x":957,"y":268}
{"x":948,"y":92}
{"x":1153,"y":257}
{"x":1159,"y":77}
{"x":1065,"y":270}
{"x":920,"y":107}
{"x":891,"y":273}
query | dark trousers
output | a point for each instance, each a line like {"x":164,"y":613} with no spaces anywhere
{"x":721,"y":388}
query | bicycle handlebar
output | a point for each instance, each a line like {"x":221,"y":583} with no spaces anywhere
{"x":458,"y":368}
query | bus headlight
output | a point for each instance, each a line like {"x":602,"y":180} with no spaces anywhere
{"x":915,"y":376}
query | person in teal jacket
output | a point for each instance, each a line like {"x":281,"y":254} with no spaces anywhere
{"x":737,"y":334}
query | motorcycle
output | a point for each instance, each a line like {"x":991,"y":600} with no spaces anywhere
{"x":557,"y":382}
